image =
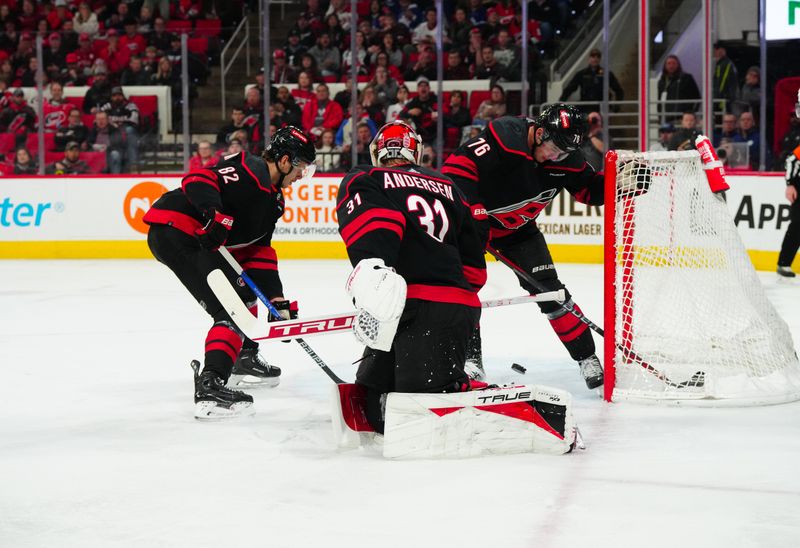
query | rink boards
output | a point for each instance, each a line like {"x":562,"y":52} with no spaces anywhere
{"x":100,"y":217}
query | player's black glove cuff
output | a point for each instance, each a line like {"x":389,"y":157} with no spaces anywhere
{"x":215,"y":232}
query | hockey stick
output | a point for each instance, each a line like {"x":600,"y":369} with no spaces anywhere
{"x":261,"y":297}
{"x":337,"y":323}
{"x":697,"y":380}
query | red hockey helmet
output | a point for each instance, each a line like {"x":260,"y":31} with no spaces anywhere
{"x":396,"y":140}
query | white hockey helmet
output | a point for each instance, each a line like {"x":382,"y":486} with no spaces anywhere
{"x":396,"y":140}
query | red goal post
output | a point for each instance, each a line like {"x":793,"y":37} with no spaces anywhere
{"x":682,"y":299}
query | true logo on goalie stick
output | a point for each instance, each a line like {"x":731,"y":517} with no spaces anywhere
{"x":310,"y":327}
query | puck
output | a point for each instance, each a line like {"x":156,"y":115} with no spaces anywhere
{"x":518,"y":368}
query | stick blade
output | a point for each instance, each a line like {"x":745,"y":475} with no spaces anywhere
{"x":231,"y":301}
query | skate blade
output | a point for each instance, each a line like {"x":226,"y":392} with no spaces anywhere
{"x":211,"y":411}
{"x":245,"y":382}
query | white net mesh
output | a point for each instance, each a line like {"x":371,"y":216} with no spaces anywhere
{"x":688,"y":299}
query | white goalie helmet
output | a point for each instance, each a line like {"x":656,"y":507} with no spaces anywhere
{"x":396,"y":140}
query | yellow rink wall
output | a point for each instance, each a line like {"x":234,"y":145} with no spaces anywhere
{"x":98,"y":217}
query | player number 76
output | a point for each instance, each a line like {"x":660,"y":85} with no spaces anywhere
{"x":481,"y":146}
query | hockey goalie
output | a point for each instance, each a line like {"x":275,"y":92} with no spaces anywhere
{"x":418,"y":264}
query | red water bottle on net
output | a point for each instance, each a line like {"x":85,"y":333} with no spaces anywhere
{"x":712,"y":165}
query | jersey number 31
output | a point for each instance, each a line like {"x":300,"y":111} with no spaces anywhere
{"x":416,"y":203}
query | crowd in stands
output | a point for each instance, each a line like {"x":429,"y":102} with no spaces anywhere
{"x":395,"y":60}
{"x":102,"y":45}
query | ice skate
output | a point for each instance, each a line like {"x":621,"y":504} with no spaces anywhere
{"x":786,"y":272}
{"x":592,"y":371}
{"x":213,"y":401}
{"x":251,"y":370}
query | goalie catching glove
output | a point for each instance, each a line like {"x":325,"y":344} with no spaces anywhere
{"x":379,"y":294}
{"x":634,"y":179}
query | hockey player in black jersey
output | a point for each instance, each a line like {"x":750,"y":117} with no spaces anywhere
{"x":235,"y":203}
{"x":418,"y":264}
{"x":509,"y":173}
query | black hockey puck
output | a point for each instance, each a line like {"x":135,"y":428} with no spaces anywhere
{"x":518,"y":368}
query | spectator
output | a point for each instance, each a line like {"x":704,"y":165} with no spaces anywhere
{"x":385,"y":87}
{"x":684,"y":137}
{"x":748,"y":133}
{"x":321,"y":113}
{"x":186,"y":9}
{"x":18,"y":117}
{"x":72,"y":75}
{"x":590,"y":83}
{"x":456,"y":116}
{"x":28,"y":77}
{"x":314,"y":15}
{"x":428,"y":157}
{"x":371,"y":105}
{"x":421,"y":110}
{"x":394,"y":110}
{"x":124,"y":115}
{"x":728,"y":132}
{"x":476,"y":13}
{"x":104,"y":137}
{"x":506,"y":53}
{"x":23,"y":52}
{"x":593,"y":147}
{"x":71,"y":164}
{"x":365,"y":133}
{"x":261,"y":82}
{"x":161,"y":38}
{"x":492,"y":26}
{"x":304,"y":90}
{"x":292,"y":115}
{"x":341,"y":9}
{"x":791,"y":140}
{"x":408,"y":14}
{"x":426,"y":31}
{"x":488,"y":68}
{"x":329,"y":156}
{"x":308,"y":64}
{"x":665,"y":133}
{"x":303,"y":30}
{"x":116,"y":57}
{"x":370,"y":36}
{"x":150,"y":60}
{"x":335,"y":30}
{"x":327,"y":58}
{"x":98,"y":94}
{"x":676,"y":85}
{"x":344,"y":97}
{"x":117,"y":20}
{"x":132,"y":41}
{"x":388,"y":46}
{"x":492,"y":108}
{"x":54,"y":56}
{"x":28,"y":17}
{"x":382,"y":60}
{"x":282,"y":72}
{"x":69,"y":38}
{"x":145,"y":20}
{"x":135,"y":74}
{"x":456,"y":68}
{"x":73,"y":130}
{"x":458,"y":33}
{"x":750,"y":95}
{"x":546,"y":14}
{"x":57,"y":16}
{"x":344,"y":135}
{"x":253,"y":116}
{"x":361,"y":55}
{"x":294,"y":49}
{"x":55,"y":109}
{"x":726,"y":80}
{"x":424,"y":68}
{"x":204,"y":158}
{"x":401,"y":36}
{"x":166,"y":76}
{"x":85,"y":53}
{"x":235,"y":147}
{"x":24,"y":163}
{"x":85,"y":21}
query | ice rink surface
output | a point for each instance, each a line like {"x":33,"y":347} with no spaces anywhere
{"x":98,"y":445}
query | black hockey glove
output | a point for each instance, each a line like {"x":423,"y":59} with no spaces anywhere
{"x":215,"y":233}
{"x":287,"y":310}
{"x":633,"y":179}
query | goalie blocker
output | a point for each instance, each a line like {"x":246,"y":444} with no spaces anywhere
{"x":490,"y":421}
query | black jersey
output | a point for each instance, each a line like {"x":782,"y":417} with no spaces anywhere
{"x":418,"y":222}
{"x":238,"y":186}
{"x":497,"y":173}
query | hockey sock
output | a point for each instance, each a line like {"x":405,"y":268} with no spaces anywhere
{"x":223,"y":344}
{"x":573,"y":333}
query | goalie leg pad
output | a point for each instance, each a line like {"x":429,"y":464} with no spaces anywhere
{"x":351,"y":428}
{"x":518,"y":419}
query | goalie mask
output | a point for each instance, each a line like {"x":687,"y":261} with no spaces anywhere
{"x":395,"y":141}
{"x":564,"y":125}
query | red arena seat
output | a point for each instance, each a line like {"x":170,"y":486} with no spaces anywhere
{"x":148,"y":107}
{"x":179,"y":26}
{"x":198,"y":46}
{"x":77,"y":101}
{"x":476,"y":97}
{"x":208,"y":27}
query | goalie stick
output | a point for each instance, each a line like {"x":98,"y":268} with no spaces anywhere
{"x":261,"y":297}
{"x":697,"y":380}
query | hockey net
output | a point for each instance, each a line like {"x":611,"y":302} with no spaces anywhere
{"x":687,"y":319}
